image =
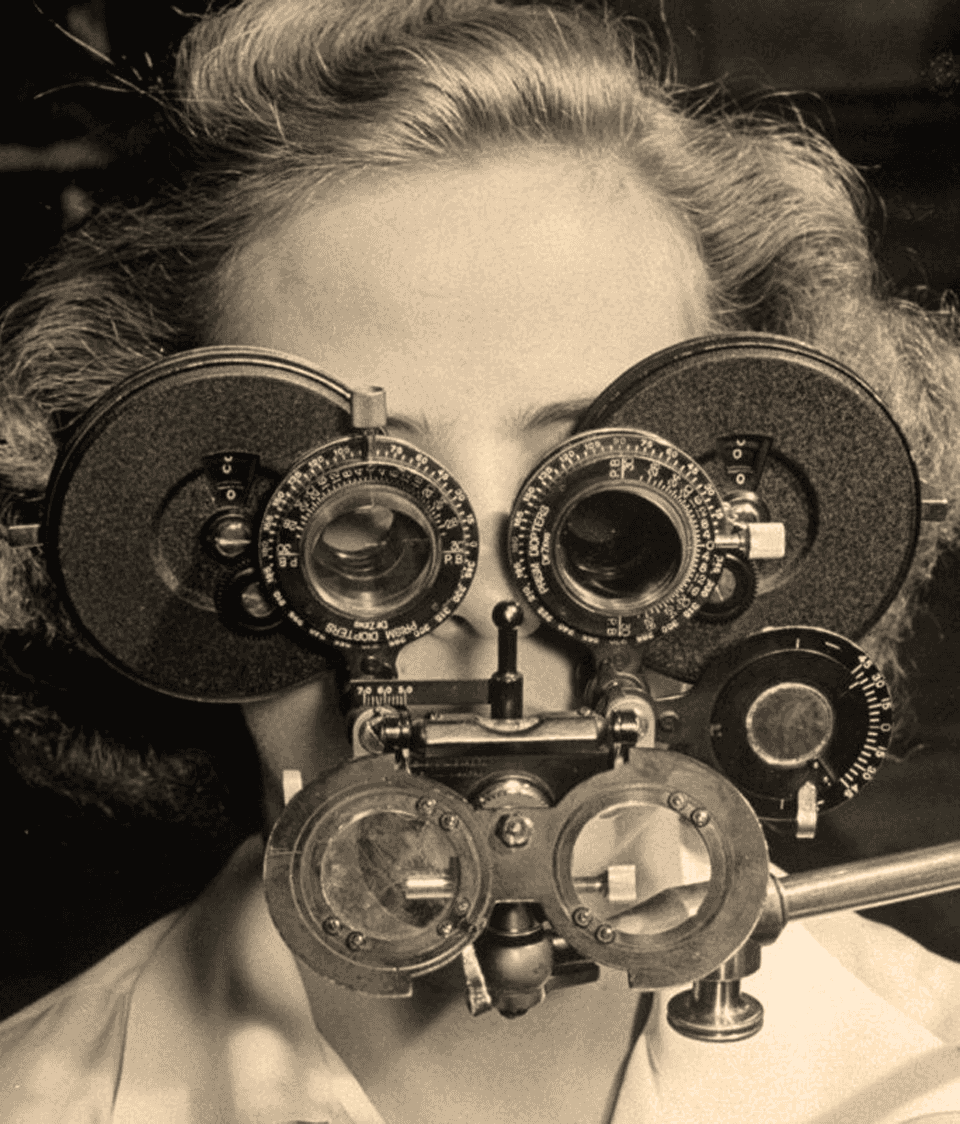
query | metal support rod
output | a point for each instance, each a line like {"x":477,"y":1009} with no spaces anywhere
{"x":715,"y":1010}
{"x":872,"y":882}
{"x":506,"y":683}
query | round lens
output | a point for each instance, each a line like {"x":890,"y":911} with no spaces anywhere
{"x":640,"y":868}
{"x":387,"y":874}
{"x":790,"y":724}
{"x":619,"y":545}
{"x":368,"y":558}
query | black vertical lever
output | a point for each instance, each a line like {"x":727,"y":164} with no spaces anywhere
{"x":506,"y":684}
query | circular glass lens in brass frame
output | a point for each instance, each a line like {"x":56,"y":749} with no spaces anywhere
{"x":368,"y":552}
{"x":374,"y":877}
{"x":661,"y":935}
{"x":620,"y":550}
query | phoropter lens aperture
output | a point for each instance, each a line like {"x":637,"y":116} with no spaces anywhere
{"x":612,"y":536}
{"x":618,"y":544}
{"x":367,"y":541}
{"x":367,"y":557}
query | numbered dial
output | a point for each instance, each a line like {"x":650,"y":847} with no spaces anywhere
{"x":798,"y":705}
{"x":368,"y":541}
{"x":613,"y":534}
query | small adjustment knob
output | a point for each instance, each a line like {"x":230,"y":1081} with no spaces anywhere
{"x":755,"y":540}
{"x":368,"y":408}
{"x":506,"y":683}
{"x":229,"y":536}
{"x":734,"y":592}
{"x":766,"y":540}
{"x":242,"y":604}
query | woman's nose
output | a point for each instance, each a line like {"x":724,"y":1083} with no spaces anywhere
{"x":493,"y":582}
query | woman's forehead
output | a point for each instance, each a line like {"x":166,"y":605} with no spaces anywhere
{"x":522,"y":275}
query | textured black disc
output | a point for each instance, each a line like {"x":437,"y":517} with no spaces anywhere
{"x":837,"y":473}
{"x":201,"y":437}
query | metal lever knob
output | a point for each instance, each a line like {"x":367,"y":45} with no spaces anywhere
{"x":756,"y":540}
{"x":506,"y":683}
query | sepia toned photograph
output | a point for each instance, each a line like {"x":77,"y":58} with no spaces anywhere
{"x":479,"y":563}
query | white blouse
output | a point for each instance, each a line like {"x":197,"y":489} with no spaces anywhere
{"x":160,"y":1032}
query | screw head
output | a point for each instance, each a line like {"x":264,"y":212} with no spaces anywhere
{"x":700,"y":817}
{"x":449,"y":822}
{"x":426,"y":805}
{"x":332,"y":926}
{"x":445,"y":928}
{"x":676,"y":800}
{"x":605,"y":934}
{"x":356,"y":941}
{"x":515,"y":831}
{"x":231,"y":536}
{"x":461,"y":907}
{"x":582,"y":917}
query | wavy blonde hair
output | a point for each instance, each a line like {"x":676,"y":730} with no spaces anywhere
{"x":277,"y":99}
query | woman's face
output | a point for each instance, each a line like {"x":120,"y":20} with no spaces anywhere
{"x":493,"y":302}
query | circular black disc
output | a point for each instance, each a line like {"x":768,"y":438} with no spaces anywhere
{"x":814,"y":689}
{"x":838,"y":474}
{"x":203,"y":436}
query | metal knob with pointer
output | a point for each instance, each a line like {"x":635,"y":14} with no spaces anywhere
{"x":798,"y":718}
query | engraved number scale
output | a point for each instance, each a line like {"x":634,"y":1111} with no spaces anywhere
{"x":368,"y":542}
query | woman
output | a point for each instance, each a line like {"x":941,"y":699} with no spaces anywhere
{"x":491,"y":211}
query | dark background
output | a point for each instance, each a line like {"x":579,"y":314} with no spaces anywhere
{"x":883,"y":82}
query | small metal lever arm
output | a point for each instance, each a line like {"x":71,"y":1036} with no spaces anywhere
{"x":506,"y":683}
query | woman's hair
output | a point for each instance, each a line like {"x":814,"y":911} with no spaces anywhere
{"x":276,"y":99}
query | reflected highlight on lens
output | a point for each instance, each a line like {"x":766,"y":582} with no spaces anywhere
{"x":640,"y":868}
{"x":369,"y":557}
{"x":617,"y":547}
{"x":389,"y":874}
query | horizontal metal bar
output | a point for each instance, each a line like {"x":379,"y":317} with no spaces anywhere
{"x":872,"y":882}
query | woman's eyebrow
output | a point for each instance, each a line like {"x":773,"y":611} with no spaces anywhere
{"x":555,"y":413}
{"x":524,"y":421}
